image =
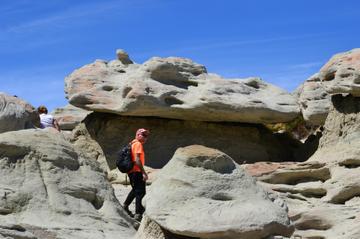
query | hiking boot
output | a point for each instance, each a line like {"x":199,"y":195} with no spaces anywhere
{"x":127,"y":210}
{"x":138,"y":217}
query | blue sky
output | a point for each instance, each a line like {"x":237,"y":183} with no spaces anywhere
{"x":282,"y":41}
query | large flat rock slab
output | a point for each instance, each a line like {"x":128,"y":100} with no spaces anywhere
{"x":16,"y":114}
{"x":48,"y":189}
{"x":203,"y":193}
{"x":176,"y":88}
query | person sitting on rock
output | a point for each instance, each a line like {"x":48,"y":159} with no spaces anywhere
{"x":137,"y":174}
{"x":47,"y":120}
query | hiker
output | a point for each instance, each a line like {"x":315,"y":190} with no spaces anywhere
{"x":47,"y":120}
{"x":137,"y":174}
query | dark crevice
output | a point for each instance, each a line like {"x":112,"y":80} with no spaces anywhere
{"x":346,"y":104}
{"x":346,"y":195}
{"x":350,"y":163}
{"x":329,"y":76}
{"x":222,"y":197}
{"x":253,"y":84}
{"x":170,"y":100}
{"x":126,"y":91}
{"x":107,"y":88}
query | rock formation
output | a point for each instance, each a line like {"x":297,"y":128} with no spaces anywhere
{"x":176,"y":88}
{"x":342,"y":73}
{"x":16,"y":114}
{"x":48,"y":190}
{"x":69,"y":116}
{"x":323,"y":192}
{"x":243,"y":142}
{"x":314,"y":101}
{"x":203,"y":193}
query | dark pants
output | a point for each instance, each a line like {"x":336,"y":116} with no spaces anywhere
{"x":138,"y":192}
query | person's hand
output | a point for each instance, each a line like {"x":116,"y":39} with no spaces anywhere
{"x":145,"y":177}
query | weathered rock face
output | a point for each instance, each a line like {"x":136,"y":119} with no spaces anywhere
{"x":176,"y":88}
{"x":343,"y":122}
{"x":69,"y":116}
{"x":16,"y":114}
{"x":49,"y":191}
{"x":342,"y":73}
{"x":323,"y":193}
{"x":314,"y":101}
{"x":203,"y":193}
{"x":243,"y":142}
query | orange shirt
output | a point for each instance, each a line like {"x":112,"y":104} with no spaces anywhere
{"x":137,"y":148}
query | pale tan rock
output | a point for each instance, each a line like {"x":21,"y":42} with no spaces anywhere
{"x":203,"y":193}
{"x":176,"y":88}
{"x":328,"y":208}
{"x":69,"y":116}
{"x":314,"y":101}
{"x":311,"y":204}
{"x":343,"y":185}
{"x":342,"y":73}
{"x":149,"y":230}
{"x":299,"y":173}
{"x":117,"y":177}
{"x":16,"y":114}
{"x":87,"y":147}
{"x":46,"y":186}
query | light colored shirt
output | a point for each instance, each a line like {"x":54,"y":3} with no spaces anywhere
{"x":46,"y":120}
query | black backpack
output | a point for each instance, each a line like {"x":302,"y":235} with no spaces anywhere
{"x":123,"y":161}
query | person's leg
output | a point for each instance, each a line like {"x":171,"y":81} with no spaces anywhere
{"x":130,"y":197}
{"x":139,"y":188}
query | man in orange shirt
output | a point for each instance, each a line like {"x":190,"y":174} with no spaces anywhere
{"x":137,"y":174}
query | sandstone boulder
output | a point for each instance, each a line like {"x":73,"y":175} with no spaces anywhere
{"x":16,"y":114}
{"x":203,"y":193}
{"x":123,"y":57}
{"x":69,"y":116}
{"x":314,"y":101}
{"x":342,"y":73}
{"x":176,"y":88}
{"x":49,"y":191}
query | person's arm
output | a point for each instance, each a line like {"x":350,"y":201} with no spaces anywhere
{"x":139,"y":164}
{"x":56,"y":125}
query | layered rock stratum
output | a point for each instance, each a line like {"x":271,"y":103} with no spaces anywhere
{"x":323,"y":192}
